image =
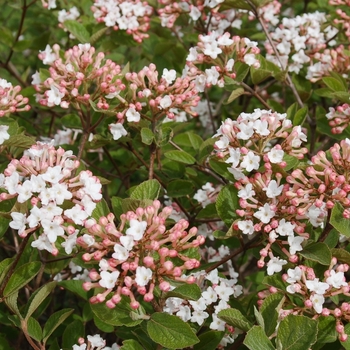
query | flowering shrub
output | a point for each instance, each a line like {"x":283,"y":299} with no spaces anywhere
{"x":175,"y":175}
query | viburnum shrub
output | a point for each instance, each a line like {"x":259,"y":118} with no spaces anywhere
{"x":175,"y":175}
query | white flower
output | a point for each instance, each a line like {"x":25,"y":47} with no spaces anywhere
{"x":77,"y":214}
{"x":212,"y":76}
{"x":210,"y":296}
{"x":117,"y":130}
{"x":136,"y":229}
{"x":4,"y":135}
{"x":317,"y":302}
{"x":265,"y":214}
{"x":261,"y":127}
{"x":294,"y":275}
{"x":69,"y":244}
{"x":273,"y":190}
{"x":211,"y":49}
{"x":246,"y":226}
{"x":192,"y":56}
{"x":52,"y":228}
{"x":199,"y":316}
{"x":285,"y":228}
{"x":42,"y":243}
{"x":184,"y":313}
{"x":295,"y":244}
{"x":229,"y":65}
{"x":317,"y":286}
{"x":223,"y":291}
{"x":120,"y":252}
{"x":250,"y":162}
{"x":132,"y":115}
{"x":96,"y":340}
{"x":336,"y":279}
{"x":18,"y":222}
{"x":127,"y":242}
{"x":217,"y":324}
{"x":88,"y":240}
{"x":275,"y":155}
{"x":275,"y":265}
{"x":169,"y":75}
{"x":165,"y":102}
{"x":143,"y":276}
{"x":54,"y":96}
{"x":108,"y":279}
{"x":246,"y":192}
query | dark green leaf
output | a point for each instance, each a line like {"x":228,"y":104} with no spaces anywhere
{"x":179,"y":188}
{"x":337,"y":220}
{"x":235,"y":94}
{"x":318,"y":252}
{"x":235,"y":318}
{"x":131,"y":344}
{"x":269,"y":311}
{"x":72,"y":333}
{"x":21,"y":277}
{"x":54,"y":321}
{"x":100,"y":210}
{"x":180,"y":156}
{"x":34,"y":329}
{"x":186,"y":291}
{"x":296,"y":333}
{"x":342,"y":255}
{"x":147,"y":136}
{"x":78,"y":30}
{"x":209,"y":340}
{"x":227,"y":203}
{"x":74,"y":286}
{"x":170,"y":331}
{"x":256,"y":339}
{"x":39,"y":296}
{"x":149,"y":189}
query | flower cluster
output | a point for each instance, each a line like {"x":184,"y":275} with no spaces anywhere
{"x":299,"y":39}
{"x":133,"y":16}
{"x":138,"y":255}
{"x":43,"y":181}
{"x":322,"y":185}
{"x":94,"y":342}
{"x":10,"y":99}
{"x":339,"y":118}
{"x":269,"y":12}
{"x":330,"y":60}
{"x":209,"y":12}
{"x":303,"y":281}
{"x":154,"y":97}
{"x":216,"y":292}
{"x":82,"y":76}
{"x":221,"y":52}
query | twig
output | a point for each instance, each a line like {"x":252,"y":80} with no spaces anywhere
{"x":255,"y":94}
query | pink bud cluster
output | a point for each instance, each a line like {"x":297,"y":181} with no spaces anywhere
{"x":316,"y":190}
{"x":152,"y":97}
{"x":10,"y":99}
{"x":207,"y":12}
{"x":51,"y":199}
{"x":330,"y":60}
{"x":269,"y":12}
{"x":133,"y":16}
{"x":81,"y":77}
{"x":344,"y":18}
{"x":303,"y":281}
{"x":138,"y":254}
{"x":298,"y":39}
{"x":252,"y":141}
{"x":221,"y":51}
{"x":339,"y":118}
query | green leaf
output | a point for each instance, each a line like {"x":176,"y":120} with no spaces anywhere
{"x":326,"y":331}
{"x":54,"y":321}
{"x":97,"y":35}
{"x":34,"y":329}
{"x":275,"y":281}
{"x":101,"y":209}
{"x":186,"y":291}
{"x":131,"y":344}
{"x":180,"y":156}
{"x":235,"y":94}
{"x":256,"y":339}
{"x":71,"y":121}
{"x":74,"y":286}
{"x":342,"y":255}
{"x":300,"y":116}
{"x":318,"y":252}
{"x":259,"y":318}
{"x":4,"y":266}
{"x":6,"y":36}
{"x":119,"y":316}
{"x":341,"y":96}
{"x":337,"y":220}
{"x":334,"y":84}
{"x":147,"y":136}
{"x":102,"y":326}
{"x":296,"y":332}
{"x":179,"y":188}
{"x":227,"y":203}
{"x":39,"y":296}
{"x":269,"y":311}
{"x":78,"y":30}
{"x":11,"y":302}
{"x":170,"y":331}
{"x":209,"y":212}
{"x":209,"y":340}
{"x":20,"y":141}
{"x":165,"y":134}
{"x":235,"y":318}
{"x":241,"y":69}
{"x":149,"y":189}
{"x":4,"y":345}
{"x":21,"y":277}
{"x":188,"y":139}
{"x":117,"y":206}
{"x":72,"y":333}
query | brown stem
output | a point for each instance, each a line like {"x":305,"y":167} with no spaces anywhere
{"x":269,"y":38}
{"x":255,"y":94}
{"x":14,"y":264}
{"x":153,"y":155}
{"x":31,"y":342}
